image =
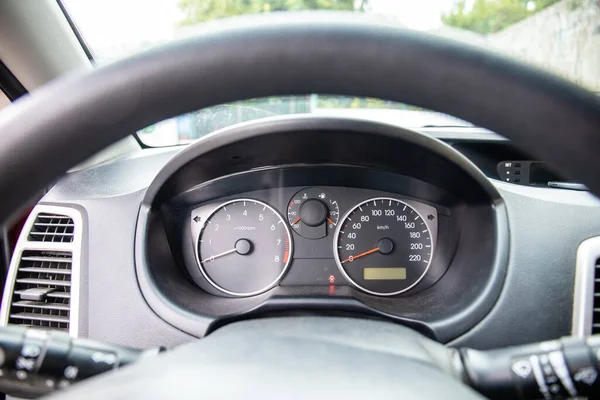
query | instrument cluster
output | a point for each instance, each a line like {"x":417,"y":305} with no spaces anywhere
{"x":379,"y":243}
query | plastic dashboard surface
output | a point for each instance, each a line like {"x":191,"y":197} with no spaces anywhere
{"x":109,"y":197}
{"x":462,"y":254}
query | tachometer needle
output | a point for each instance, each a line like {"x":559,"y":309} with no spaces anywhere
{"x":330,"y":221}
{"x":352,"y":258}
{"x":211,"y":258}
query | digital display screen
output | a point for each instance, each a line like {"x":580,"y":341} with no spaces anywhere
{"x":539,"y":173}
{"x":389,"y":274}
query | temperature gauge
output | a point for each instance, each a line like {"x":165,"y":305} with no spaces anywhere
{"x":312,"y":213}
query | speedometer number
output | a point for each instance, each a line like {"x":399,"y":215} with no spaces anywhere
{"x":383,"y":246}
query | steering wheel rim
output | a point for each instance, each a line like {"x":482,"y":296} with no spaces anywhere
{"x":65,"y":122}
{"x":295,"y":358}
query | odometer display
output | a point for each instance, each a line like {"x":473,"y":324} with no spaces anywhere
{"x":383,"y":246}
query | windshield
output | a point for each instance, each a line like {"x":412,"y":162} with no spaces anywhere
{"x":561,"y":36}
{"x":192,"y":126}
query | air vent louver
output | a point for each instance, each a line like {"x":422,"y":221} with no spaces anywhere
{"x":596,"y":307}
{"x":42,"y":289}
{"x":52,"y":228}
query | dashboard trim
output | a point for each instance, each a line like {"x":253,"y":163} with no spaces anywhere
{"x":75,"y":247}
{"x":588,"y":254}
{"x":261,"y":129}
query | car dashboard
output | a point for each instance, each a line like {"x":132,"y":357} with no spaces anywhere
{"x":244,"y":246}
{"x":313,"y":216}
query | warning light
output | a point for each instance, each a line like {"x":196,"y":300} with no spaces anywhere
{"x":331,"y":290}
{"x":331,"y":279}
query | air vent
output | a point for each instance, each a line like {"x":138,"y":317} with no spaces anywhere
{"x":42,"y":290}
{"x":52,"y":228}
{"x":586,"y":296}
{"x":42,"y":284}
{"x":596,"y":306}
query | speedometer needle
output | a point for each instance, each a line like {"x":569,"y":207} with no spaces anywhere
{"x":352,"y":258}
{"x":211,"y":258}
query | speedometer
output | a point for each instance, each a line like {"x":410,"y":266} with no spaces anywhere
{"x":383,"y":246}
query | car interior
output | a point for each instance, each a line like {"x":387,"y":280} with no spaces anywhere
{"x":316,"y":203}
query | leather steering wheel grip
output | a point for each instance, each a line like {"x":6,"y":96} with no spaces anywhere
{"x":291,"y":358}
{"x":63,"y":123}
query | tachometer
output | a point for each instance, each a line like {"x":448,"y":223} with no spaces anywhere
{"x":244,"y":247}
{"x":383,"y":246}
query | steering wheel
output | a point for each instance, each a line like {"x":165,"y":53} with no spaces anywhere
{"x":67,"y":121}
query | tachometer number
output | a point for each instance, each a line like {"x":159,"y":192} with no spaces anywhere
{"x":244,"y":247}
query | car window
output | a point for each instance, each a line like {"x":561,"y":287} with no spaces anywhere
{"x":3,"y":101}
{"x":192,"y":126}
{"x":561,"y":36}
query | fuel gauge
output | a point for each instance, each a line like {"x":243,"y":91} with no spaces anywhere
{"x":313,"y":213}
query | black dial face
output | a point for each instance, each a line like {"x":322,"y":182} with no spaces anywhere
{"x":313,"y":213}
{"x":383,"y":246}
{"x":244,"y":247}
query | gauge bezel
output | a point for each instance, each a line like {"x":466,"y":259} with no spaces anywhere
{"x":336,"y":255}
{"x":277,"y":279}
{"x":318,"y":189}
